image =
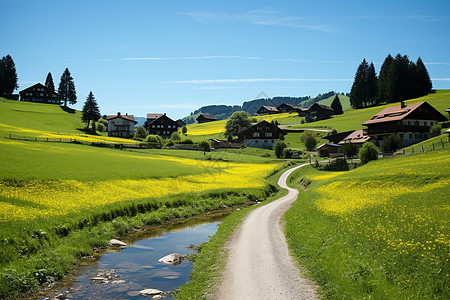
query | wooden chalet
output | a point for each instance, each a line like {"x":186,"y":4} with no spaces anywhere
{"x":337,"y":137}
{"x":267,"y":110}
{"x":287,"y":107}
{"x":162,"y":125}
{"x":203,"y":118}
{"x":121,"y":125}
{"x":302,"y":112}
{"x":39,"y":93}
{"x":318,"y":112}
{"x":357,"y":138}
{"x":261,"y":135}
{"x":329,"y":149}
{"x":412,"y":122}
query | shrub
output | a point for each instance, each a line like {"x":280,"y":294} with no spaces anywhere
{"x":154,"y":139}
{"x":169,"y":143}
{"x":287,"y":153}
{"x":101,"y":127}
{"x":435,"y":130}
{"x":175,"y":136}
{"x":392,"y":142}
{"x":334,"y":131}
{"x":349,"y":149}
{"x":368,"y":152}
{"x":279,"y":147}
{"x":184,"y":129}
{"x":340,"y":164}
{"x":187,"y":141}
{"x":140,"y":133}
{"x":309,"y":140}
{"x":103,"y":121}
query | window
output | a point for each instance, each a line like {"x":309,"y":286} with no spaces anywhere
{"x":268,"y":134}
{"x":425,"y":123}
{"x":265,"y":141}
{"x":255,"y":134}
{"x":256,"y":141}
{"x":153,"y":126}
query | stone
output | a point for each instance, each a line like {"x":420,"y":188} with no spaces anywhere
{"x":173,"y":259}
{"x":150,"y":292}
{"x":117,"y":243}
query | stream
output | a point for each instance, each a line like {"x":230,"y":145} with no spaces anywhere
{"x":136,"y":267}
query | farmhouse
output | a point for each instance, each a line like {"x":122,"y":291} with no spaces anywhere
{"x":328,"y":149}
{"x":301,"y":111}
{"x":121,"y":125}
{"x":356,"y":138}
{"x":162,"y":126}
{"x":412,"y":122}
{"x":260,"y":135}
{"x":39,"y":93}
{"x":337,"y":137}
{"x":287,"y":107}
{"x":267,"y":110}
{"x":318,"y":112}
{"x":203,"y":118}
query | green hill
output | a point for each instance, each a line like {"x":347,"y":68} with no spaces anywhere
{"x":345,"y":101}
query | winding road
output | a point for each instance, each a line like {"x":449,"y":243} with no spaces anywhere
{"x":259,"y":265}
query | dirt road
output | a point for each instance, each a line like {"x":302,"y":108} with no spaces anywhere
{"x":259,"y":265}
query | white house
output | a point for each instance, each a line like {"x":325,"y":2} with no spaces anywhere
{"x":121,"y":125}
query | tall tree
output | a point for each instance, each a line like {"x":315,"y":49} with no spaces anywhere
{"x":91,"y":111}
{"x":66,"y":88}
{"x":385,"y":79}
{"x":423,"y":78}
{"x":401,"y":79}
{"x":372,"y":86}
{"x":358,"y":93}
{"x":336,"y":105}
{"x":49,"y":82}
{"x":8,"y":76}
{"x":237,"y":121}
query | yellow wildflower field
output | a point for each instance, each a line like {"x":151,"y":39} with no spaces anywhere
{"x":38,"y":199}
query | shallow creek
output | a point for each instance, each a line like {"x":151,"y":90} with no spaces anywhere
{"x":135,"y":268}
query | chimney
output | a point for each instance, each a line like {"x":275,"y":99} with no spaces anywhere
{"x":126,"y":114}
{"x":118,"y":114}
{"x":402,"y":104}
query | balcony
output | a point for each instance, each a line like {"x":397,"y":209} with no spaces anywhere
{"x":395,"y":129}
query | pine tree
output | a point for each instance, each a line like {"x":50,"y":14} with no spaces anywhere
{"x":424,"y":80}
{"x":91,"y":110}
{"x":336,"y":105}
{"x":358,"y":93}
{"x":372,"y":86}
{"x":49,"y":82}
{"x":385,"y":80}
{"x":8,"y":76}
{"x":401,"y":79}
{"x":66,"y":88}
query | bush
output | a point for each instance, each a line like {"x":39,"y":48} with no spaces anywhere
{"x":309,"y":140}
{"x":103,"y":121}
{"x":187,"y":141}
{"x":205,"y":146}
{"x":340,"y":164}
{"x":154,"y":139}
{"x":368,"y":152}
{"x":349,"y":149}
{"x":101,"y":127}
{"x":184,"y":130}
{"x":169,"y":143}
{"x":279,"y":147}
{"x":435,"y":130}
{"x":140,"y":133}
{"x":175,"y":136}
{"x":287,"y":153}
{"x":392,"y":142}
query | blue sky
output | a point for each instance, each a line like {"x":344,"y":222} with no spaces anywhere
{"x":176,"y":56}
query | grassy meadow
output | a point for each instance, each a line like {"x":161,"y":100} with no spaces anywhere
{"x":380,"y":231}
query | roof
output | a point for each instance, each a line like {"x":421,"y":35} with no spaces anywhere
{"x":125,"y":117}
{"x":209,"y":117}
{"x":154,"y":116}
{"x":38,"y":85}
{"x":337,"y":137}
{"x":328,"y":144}
{"x":399,"y":112}
{"x":269,"y":108}
{"x":321,"y":106}
{"x":293,"y":106}
{"x":356,"y":137}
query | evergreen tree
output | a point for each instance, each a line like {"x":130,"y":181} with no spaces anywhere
{"x":8,"y":76}
{"x":385,"y":79}
{"x":372,"y":86}
{"x":358,"y":93}
{"x":49,"y":82}
{"x":336,"y":105}
{"x":91,"y":110}
{"x":66,"y":88}
{"x":424,"y":81}
{"x":401,"y":79}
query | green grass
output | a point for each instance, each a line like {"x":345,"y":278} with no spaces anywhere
{"x":380,"y":231}
{"x":352,"y":119}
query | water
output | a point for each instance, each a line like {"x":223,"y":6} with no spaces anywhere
{"x":136,"y":267}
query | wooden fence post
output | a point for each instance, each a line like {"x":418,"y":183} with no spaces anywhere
{"x":422,"y":149}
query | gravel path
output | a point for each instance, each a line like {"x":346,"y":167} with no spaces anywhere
{"x":259,"y":265}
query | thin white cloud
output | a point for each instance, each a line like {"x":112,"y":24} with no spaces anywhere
{"x":258,"y":80}
{"x":194,"y":57}
{"x":440,"y":79}
{"x":267,"y":17}
{"x":437,"y":63}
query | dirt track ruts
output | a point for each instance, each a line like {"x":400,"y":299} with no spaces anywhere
{"x":259,"y":265}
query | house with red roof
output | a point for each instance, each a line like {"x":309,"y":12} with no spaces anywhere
{"x":267,"y":110}
{"x":121,"y":125}
{"x":412,"y":122}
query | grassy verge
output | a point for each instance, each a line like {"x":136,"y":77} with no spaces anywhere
{"x":379,"y":231}
{"x":209,"y":265}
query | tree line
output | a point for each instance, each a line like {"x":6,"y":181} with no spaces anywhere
{"x":399,"y":79}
